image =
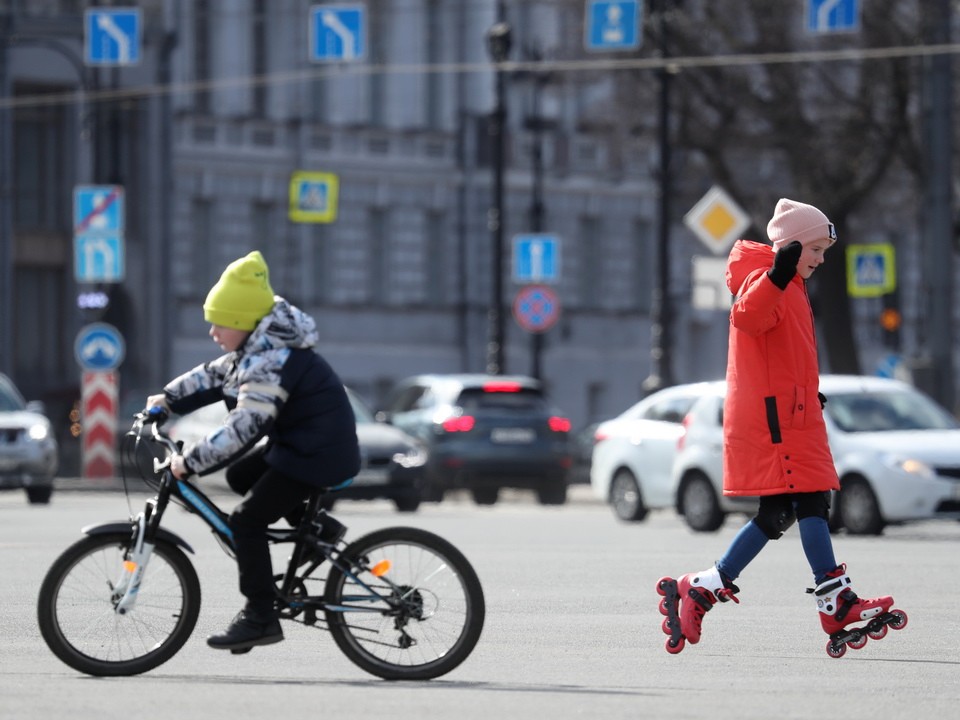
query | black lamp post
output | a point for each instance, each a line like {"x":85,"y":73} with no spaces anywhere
{"x":661,"y":340}
{"x":498,"y":45}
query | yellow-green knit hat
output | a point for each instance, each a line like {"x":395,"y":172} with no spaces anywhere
{"x":242,"y":296}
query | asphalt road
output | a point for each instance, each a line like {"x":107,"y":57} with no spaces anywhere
{"x":572,"y":627}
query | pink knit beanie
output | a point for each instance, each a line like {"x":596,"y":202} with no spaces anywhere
{"x":793,"y":220}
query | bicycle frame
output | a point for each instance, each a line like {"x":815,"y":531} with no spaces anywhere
{"x":147,"y":528}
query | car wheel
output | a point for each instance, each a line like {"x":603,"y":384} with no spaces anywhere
{"x":39,"y":494}
{"x":625,"y":497}
{"x":859,"y":509}
{"x":552,"y":494}
{"x":485,"y":496}
{"x":701,"y":507}
{"x":407,"y":504}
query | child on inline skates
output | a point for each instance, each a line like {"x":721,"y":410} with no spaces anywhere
{"x":774,"y":436}
{"x":276,"y":385}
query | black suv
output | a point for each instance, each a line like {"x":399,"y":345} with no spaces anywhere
{"x":28,"y":450}
{"x":485,"y":432}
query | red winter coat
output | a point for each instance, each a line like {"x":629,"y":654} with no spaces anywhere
{"x":774,"y":436}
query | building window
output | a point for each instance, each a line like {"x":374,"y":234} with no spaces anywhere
{"x":436,"y":259}
{"x":379,"y":260}
{"x":204,"y":263}
{"x":642,"y":258}
{"x":376,"y":45}
{"x":433,"y":80}
{"x":39,"y":168}
{"x":589,"y":259}
{"x":202,"y":54}
{"x":259,"y":49}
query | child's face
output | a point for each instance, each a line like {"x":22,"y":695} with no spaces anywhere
{"x":229,"y":339}
{"x":812,"y":257}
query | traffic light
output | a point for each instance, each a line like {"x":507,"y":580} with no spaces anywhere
{"x":890,"y":321}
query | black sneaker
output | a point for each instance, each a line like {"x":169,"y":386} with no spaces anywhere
{"x":329,"y":530}
{"x":247,"y":631}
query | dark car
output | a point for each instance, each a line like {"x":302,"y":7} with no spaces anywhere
{"x":28,"y":449}
{"x":484,"y":433}
{"x":392,"y":462}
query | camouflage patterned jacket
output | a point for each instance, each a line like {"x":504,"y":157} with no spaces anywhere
{"x":276,"y":386}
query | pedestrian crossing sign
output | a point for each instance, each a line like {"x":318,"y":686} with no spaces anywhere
{"x":313,"y":197}
{"x":871,"y":270}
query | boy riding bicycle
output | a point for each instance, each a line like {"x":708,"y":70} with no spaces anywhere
{"x":277,"y":386}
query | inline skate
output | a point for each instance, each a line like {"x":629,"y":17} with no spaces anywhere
{"x":686,"y":599}
{"x":839,"y":607}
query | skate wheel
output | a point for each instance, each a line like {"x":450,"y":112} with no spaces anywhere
{"x":674,"y":649}
{"x":858,"y":643}
{"x":878,"y":634}
{"x":665,"y":626}
{"x":662,"y":585}
{"x":836,"y":651}
{"x":901,"y":619}
{"x":663,"y":607}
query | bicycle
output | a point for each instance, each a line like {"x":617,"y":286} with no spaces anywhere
{"x":401,"y":603}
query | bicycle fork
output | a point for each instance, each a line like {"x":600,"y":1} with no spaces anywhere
{"x":135,"y":562}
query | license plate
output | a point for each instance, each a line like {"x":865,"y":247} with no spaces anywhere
{"x":513,"y":436}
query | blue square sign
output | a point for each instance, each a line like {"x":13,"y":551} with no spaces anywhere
{"x":613,"y":24}
{"x":337,"y":33}
{"x":112,"y":36}
{"x":536,"y":258}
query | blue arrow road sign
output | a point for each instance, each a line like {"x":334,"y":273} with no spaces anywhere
{"x":536,"y":258}
{"x":112,"y":36}
{"x":99,"y":347}
{"x":98,"y":258}
{"x":613,"y":24}
{"x":337,"y":32}
{"x":833,"y":15}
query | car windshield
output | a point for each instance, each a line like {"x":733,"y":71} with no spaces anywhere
{"x":887,"y":412}
{"x":360,"y":411}
{"x":472,"y":400}
{"x":9,"y":400}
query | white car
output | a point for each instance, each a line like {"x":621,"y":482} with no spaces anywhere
{"x":633,"y":453}
{"x":897,"y":454}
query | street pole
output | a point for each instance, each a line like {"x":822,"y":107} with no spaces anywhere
{"x":536,"y":200}
{"x":498,"y":44}
{"x":937,"y":227}
{"x":661,"y":338}
{"x":6,"y":201}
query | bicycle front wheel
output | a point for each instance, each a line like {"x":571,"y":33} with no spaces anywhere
{"x":411,"y":608}
{"x":77,"y":615}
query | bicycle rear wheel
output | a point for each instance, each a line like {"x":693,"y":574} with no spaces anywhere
{"x":413,"y":611}
{"x":77,"y":616}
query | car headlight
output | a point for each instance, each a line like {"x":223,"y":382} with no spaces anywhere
{"x":414,"y":457}
{"x":38,"y":431}
{"x":908,"y":465}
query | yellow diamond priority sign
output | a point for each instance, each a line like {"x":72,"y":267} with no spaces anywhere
{"x":717,"y":220}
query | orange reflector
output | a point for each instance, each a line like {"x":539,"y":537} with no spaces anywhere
{"x":381,"y":568}
{"x":129,"y":565}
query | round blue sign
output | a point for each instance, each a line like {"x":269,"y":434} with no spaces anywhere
{"x":99,"y":347}
{"x":536,"y":308}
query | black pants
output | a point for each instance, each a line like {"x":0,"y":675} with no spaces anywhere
{"x":270,"y":495}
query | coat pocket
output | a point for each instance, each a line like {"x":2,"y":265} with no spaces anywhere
{"x":773,"y":420}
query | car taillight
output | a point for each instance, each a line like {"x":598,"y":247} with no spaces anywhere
{"x":559,"y":424}
{"x":502,"y":386}
{"x":683,"y":433}
{"x":463,"y":423}
{"x":599,"y":436}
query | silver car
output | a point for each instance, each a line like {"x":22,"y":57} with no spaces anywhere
{"x":28,"y":449}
